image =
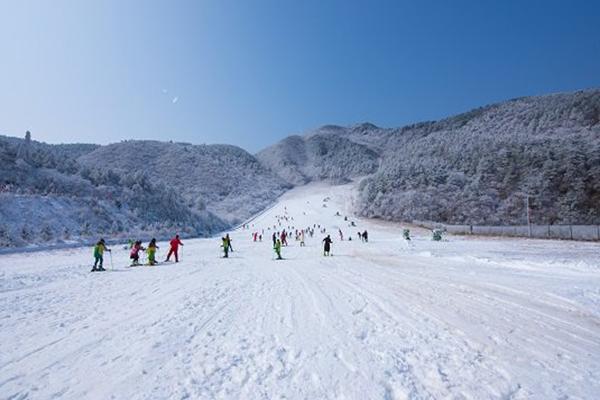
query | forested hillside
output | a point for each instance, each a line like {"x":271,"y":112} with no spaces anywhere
{"x":223,"y":179}
{"x":473,"y":168}
{"x":71,"y":193}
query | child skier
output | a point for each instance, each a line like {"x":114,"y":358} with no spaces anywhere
{"x":99,"y":249}
{"x":277,"y":249}
{"x":175,"y":243}
{"x":225,"y":245}
{"x":151,"y":251}
{"x":134,"y":255}
{"x":327,"y":246}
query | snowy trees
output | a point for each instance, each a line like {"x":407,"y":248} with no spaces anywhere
{"x":476,"y":164}
{"x":49,"y":197}
{"x":470,"y":168}
{"x":325,"y":155}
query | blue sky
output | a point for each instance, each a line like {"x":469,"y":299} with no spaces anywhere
{"x":252,"y":72}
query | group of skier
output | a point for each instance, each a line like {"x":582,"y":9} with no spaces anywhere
{"x":135,"y":247}
{"x":279,"y":238}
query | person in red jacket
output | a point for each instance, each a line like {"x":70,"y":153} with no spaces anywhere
{"x":175,"y":242}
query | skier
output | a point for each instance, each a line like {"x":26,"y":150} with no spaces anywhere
{"x":341,"y":235}
{"x":274,"y":238}
{"x":365,"y":236}
{"x":284,"y":238}
{"x":99,"y":249}
{"x":175,"y":242}
{"x":302,"y":244}
{"x":229,"y":242}
{"x":277,"y":249}
{"x":225,"y":245}
{"x":260,"y":238}
{"x":134,"y":255}
{"x":151,"y":251}
{"x":254,"y":236}
{"x":360,"y":236}
{"x":406,"y":234}
{"x":327,"y":246}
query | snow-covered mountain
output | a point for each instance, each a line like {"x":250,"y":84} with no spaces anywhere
{"x":54,"y":194}
{"x":223,"y":179}
{"x":322,"y":155}
{"x":474,"y":168}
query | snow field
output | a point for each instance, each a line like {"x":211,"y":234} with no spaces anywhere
{"x":467,"y":318}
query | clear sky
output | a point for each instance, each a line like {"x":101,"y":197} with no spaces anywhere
{"x":251,"y":72}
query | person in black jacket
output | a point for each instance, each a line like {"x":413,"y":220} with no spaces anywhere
{"x":327,"y":246}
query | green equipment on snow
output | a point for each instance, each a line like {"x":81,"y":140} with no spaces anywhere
{"x":406,"y":234}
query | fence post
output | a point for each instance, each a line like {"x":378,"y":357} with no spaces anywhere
{"x":571,"y":231}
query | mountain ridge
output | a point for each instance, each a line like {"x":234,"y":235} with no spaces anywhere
{"x":473,"y":167}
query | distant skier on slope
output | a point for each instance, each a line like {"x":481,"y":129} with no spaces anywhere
{"x":277,"y":249}
{"x":341,"y":235}
{"x":134,"y":254}
{"x":229,"y":242}
{"x":365,"y":236}
{"x":99,"y":249}
{"x":302,"y":244}
{"x":225,"y":245}
{"x":174,"y":243}
{"x":151,"y":251}
{"x":327,"y":246}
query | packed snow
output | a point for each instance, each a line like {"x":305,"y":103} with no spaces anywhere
{"x":464,"y":318}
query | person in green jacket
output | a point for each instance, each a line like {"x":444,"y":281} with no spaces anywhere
{"x":225,"y":245}
{"x":151,"y":252}
{"x":99,"y":250}
{"x":277,"y":249}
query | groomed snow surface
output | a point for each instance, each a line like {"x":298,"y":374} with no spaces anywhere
{"x":466,"y":318}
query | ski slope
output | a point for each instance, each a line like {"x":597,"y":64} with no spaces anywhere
{"x":466,"y":318}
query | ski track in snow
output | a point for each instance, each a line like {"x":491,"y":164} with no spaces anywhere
{"x":467,"y":318}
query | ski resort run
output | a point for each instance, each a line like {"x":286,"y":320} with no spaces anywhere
{"x":461,"y":318}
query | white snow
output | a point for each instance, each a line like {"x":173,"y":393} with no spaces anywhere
{"x":466,"y":318}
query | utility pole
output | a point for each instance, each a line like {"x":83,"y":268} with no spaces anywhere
{"x":527,"y":211}
{"x":528,"y":215}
